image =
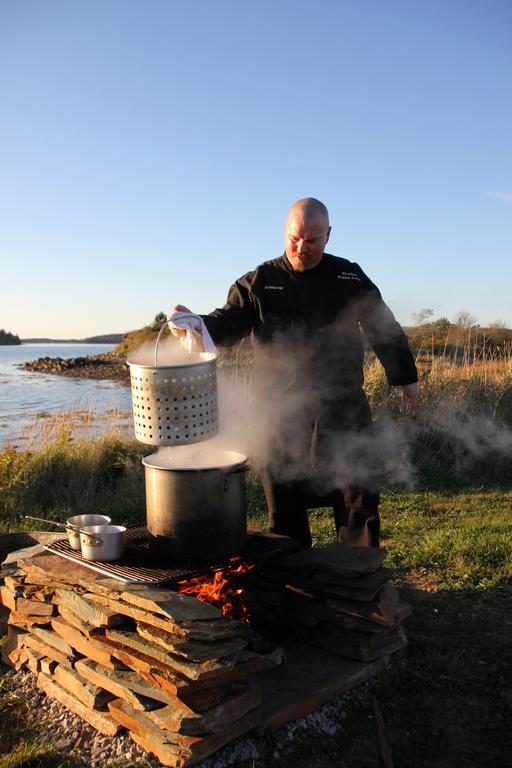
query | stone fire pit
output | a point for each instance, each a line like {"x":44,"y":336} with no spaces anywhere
{"x":177,"y":676}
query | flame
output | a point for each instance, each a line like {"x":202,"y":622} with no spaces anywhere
{"x":220,"y":589}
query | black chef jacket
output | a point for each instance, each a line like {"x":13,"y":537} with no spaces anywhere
{"x":306,"y":333}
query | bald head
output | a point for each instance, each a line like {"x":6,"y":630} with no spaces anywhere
{"x":306,"y":233}
{"x":309,"y":208}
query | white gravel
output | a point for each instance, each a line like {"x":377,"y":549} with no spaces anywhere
{"x":72,"y":736}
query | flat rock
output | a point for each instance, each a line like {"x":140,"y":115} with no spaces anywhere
{"x":198,"y":671}
{"x":54,"y":640}
{"x":101,"y":721}
{"x":179,"y":750}
{"x":14,"y":583}
{"x":209,"y":631}
{"x":80,"y":687}
{"x":173,"y":605}
{"x":108,"y":587}
{"x":46,"y":650}
{"x":193,"y":650}
{"x":48,"y":666}
{"x":22,"y":555}
{"x":363,"y":640}
{"x":13,"y":642}
{"x":7,"y":598}
{"x":87,"y":611}
{"x":17,"y":657}
{"x":123,"y":684}
{"x":335,"y":558}
{"x":86,"y":629}
{"x":344,"y":645}
{"x":364,"y":581}
{"x":90,"y":648}
{"x":48,"y":570}
{"x":34,"y":659}
{"x":146,"y":666}
{"x":305,"y":680}
{"x":138,"y":724}
{"x":382,"y":610}
{"x":27,"y":622}
{"x":34,"y":607}
{"x":216,"y":719}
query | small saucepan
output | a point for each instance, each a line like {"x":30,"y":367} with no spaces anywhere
{"x":81,"y":521}
{"x":102,"y":543}
{"x":73,"y":526}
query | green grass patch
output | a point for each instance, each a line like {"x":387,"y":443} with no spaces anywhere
{"x":463,"y":540}
{"x":68,"y":477}
{"x":18,"y":749}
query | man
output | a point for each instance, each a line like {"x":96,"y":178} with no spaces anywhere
{"x":304,"y":311}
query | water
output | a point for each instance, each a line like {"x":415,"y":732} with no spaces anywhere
{"x":24,"y":395}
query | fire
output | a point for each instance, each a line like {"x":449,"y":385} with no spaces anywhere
{"x":220,"y":589}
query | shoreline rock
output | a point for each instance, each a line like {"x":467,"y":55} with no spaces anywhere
{"x":108,"y":366}
{"x":102,"y":366}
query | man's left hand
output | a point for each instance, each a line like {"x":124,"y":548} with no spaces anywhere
{"x":411,"y":398}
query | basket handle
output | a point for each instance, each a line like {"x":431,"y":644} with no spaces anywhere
{"x":162,"y":329}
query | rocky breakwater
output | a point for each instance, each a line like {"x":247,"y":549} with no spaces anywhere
{"x":103,"y":366}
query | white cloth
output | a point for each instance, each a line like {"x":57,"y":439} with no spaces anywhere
{"x":196,"y":332}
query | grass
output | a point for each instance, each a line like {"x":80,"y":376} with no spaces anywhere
{"x":448,"y":702}
{"x":78,"y":423}
{"x":72,"y":477}
{"x":18,"y":749}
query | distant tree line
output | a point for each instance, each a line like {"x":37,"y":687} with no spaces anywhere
{"x":442,"y":337}
{"x":8,"y":338}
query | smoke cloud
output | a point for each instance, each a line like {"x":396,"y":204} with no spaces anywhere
{"x":304,"y":422}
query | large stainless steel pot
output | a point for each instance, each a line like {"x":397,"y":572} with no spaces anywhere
{"x":196,"y":512}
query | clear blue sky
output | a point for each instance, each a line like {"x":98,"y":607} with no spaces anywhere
{"x":149,"y":150}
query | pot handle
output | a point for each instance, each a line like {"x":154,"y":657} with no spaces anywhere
{"x":92,"y":541}
{"x":236,"y":470}
{"x":245,"y":467}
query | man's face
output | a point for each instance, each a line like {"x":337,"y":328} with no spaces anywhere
{"x":305,"y":241}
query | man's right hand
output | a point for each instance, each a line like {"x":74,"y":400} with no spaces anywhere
{"x":178,"y":331}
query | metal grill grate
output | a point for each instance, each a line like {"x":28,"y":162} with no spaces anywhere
{"x":133,"y":567}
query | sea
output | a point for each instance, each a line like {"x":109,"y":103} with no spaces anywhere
{"x":31,"y":402}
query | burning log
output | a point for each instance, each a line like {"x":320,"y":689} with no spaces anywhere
{"x":222,"y":590}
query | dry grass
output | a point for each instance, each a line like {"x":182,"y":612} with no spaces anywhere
{"x":77,"y":423}
{"x":66,"y":476}
{"x":478,"y":381}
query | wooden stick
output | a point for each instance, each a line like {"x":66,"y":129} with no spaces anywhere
{"x":386,"y":757}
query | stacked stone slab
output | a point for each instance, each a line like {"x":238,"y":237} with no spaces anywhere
{"x":337,"y":597}
{"x":171,"y":670}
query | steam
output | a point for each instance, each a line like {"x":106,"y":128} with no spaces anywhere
{"x":210,"y":454}
{"x":279,"y":433}
{"x":477,"y":435}
{"x":170,"y":352}
{"x":272,"y":416}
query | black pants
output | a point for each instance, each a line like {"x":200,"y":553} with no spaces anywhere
{"x":355,"y":512}
{"x":340,"y":428}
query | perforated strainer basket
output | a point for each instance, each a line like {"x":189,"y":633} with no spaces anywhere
{"x":175,"y":404}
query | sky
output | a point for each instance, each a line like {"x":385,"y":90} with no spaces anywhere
{"x":150,"y":150}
